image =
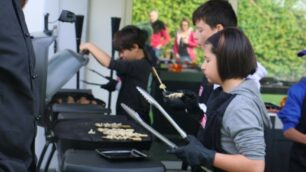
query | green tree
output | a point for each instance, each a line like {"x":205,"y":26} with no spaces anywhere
{"x":171,"y":12}
{"x":276,"y":29}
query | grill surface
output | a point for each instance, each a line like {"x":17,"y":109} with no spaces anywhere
{"x":73,"y":133}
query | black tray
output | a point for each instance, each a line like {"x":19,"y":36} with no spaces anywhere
{"x":121,"y":154}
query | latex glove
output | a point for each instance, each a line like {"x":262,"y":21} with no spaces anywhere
{"x":195,"y":153}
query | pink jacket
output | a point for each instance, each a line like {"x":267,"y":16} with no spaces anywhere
{"x":160,"y":38}
{"x":192,"y":43}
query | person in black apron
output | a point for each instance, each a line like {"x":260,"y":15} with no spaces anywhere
{"x":18,"y":91}
{"x":293,"y":117}
{"x":133,"y":68}
{"x":232,"y":134}
{"x":209,"y":18}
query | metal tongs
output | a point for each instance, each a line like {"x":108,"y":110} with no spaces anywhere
{"x":153,"y":102}
{"x":137,"y":118}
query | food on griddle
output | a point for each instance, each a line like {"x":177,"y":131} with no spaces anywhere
{"x":121,"y":134}
{"x":162,"y":86}
{"x":175,"y":95}
{"x":70,"y":100}
{"x":114,"y":131}
{"x":112,"y":125}
{"x":91,"y":131}
{"x":83,"y":100}
{"x":73,"y":99}
{"x":59,"y":101}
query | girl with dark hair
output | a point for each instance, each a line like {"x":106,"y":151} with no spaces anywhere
{"x":232,"y":136}
{"x":133,"y":67}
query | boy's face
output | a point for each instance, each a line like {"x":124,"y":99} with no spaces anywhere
{"x":209,"y":67}
{"x":127,"y":54}
{"x":203,"y":31}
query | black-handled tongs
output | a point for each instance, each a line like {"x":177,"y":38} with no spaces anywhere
{"x":137,"y":118}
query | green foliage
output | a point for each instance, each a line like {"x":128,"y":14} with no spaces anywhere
{"x":277,"y":32}
{"x":171,"y":12}
{"x":276,"y":29}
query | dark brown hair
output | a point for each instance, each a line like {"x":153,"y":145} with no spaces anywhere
{"x":234,"y":53}
{"x":128,"y":36}
{"x":214,"y":12}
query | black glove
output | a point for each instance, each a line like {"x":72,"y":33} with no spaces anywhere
{"x":195,"y":154}
{"x":111,"y":85}
{"x":190,"y":100}
{"x":173,"y":102}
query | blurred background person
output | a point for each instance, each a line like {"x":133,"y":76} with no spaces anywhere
{"x":160,"y":36}
{"x":185,"y":42}
{"x":293,"y":117}
{"x":133,"y":67}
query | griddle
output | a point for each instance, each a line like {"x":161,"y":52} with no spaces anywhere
{"x":73,"y":133}
{"x":53,"y":74}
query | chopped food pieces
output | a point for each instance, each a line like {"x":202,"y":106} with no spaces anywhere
{"x":91,"y":131}
{"x":83,"y":100}
{"x":76,"y":100}
{"x":70,"y":100}
{"x":112,"y":125}
{"x":175,"y":95}
{"x":118,"y":131}
{"x":162,"y":86}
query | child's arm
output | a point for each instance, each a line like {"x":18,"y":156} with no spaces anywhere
{"x":238,"y":163}
{"x":196,"y":154}
{"x":99,"y":54}
{"x":295,"y":135}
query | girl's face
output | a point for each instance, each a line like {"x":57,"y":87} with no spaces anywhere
{"x":209,"y":67}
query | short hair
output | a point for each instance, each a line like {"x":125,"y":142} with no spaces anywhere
{"x":215,"y":12}
{"x":158,"y":26}
{"x":128,"y":36}
{"x":234,"y":53}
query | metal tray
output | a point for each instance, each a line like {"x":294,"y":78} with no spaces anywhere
{"x":121,"y":154}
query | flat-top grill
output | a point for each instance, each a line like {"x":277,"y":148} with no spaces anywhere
{"x":82,"y":138}
{"x":71,"y":133}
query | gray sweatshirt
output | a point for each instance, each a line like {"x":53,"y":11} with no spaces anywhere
{"x":244,"y":121}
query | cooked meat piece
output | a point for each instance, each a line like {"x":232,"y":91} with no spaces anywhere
{"x":70,"y":100}
{"x":83,"y":100}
